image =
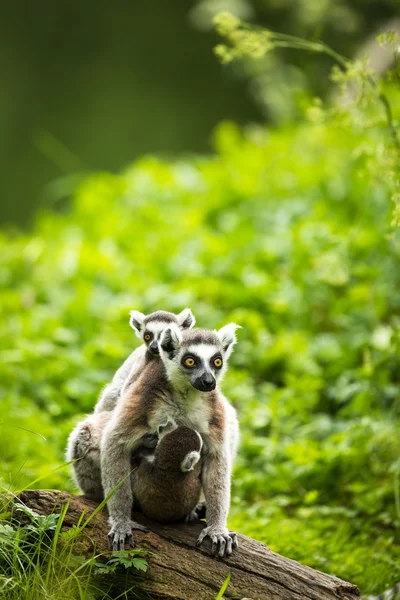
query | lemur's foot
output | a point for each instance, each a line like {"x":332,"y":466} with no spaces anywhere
{"x":121,"y":534}
{"x":198,"y":513}
{"x":222,"y":540}
{"x":190,"y":461}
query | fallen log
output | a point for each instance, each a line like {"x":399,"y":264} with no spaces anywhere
{"x":180,"y":571}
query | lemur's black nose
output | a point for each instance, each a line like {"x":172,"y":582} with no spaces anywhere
{"x":154,"y":349}
{"x":207,"y":381}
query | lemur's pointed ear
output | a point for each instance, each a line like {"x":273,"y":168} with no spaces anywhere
{"x":186,"y":319}
{"x":170,"y":341}
{"x":136,"y":321}
{"x":227,"y":337}
{"x":167,"y":427}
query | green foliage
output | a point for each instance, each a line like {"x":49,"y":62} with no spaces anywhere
{"x":29,"y":566}
{"x":223,"y":588}
{"x":123,"y":558}
{"x":285,"y":232}
{"x":38,"y":562}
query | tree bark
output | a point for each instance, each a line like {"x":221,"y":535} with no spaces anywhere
{"x":180,"y":571}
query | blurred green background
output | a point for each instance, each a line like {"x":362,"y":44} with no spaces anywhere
{"x":282,"y":225}
{"x":92,"y":85}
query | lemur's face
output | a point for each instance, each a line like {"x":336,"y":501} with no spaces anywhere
{"x":197,"y":358}
{"x":150,"y":328}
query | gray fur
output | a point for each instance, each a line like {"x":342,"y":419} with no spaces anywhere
{"x":84,"y":448}
{"x":169,"y":393}
{"x":125,"y":376}
{"x":134,"y":364}
{"x":161,"y":315}
{"x":84,"y":441}
{"x":201,"y":336}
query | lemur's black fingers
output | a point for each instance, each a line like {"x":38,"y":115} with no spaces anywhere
{"x":198,"y":513}
{"x":150,"y":440}
{"x":115,"y":544}
{"x":222,"y":546}
{"x":214,"y":544}
{"x":191,"y":518}
{"x":139,"y":527}
{"x":118,"y":537}
{"x":228,"y":551}
{"x":121,"y":542}
{"x":201,"y":536}
{"x":233,"y":536}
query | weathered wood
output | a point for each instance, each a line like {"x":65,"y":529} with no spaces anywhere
{"x":180,"y":571}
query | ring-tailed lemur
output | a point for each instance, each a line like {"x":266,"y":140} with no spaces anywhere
{"x":84,"y":441}
{"x":182,"y":387}
{"x":148,"y":329}
{"x":167,"y":485}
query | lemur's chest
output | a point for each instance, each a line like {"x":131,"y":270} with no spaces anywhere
{"x":193,"y":412}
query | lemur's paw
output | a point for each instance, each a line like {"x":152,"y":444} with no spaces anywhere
{"x":190,"y":461}
{"x":222,"y":540}
{"x":199,"y":512}
{"x":121,"y":534}
{"x":150,"y":440}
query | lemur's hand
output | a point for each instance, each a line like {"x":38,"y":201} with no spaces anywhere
{"x":199,"y":512}
{"x":150,"y":440}
{"x":121,"y":533}
{"x":222,"y":540}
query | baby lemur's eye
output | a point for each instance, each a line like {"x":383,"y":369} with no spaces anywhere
{"x":147,"y":337}
{"x":189,"y":361}
{"x":218,"y":363}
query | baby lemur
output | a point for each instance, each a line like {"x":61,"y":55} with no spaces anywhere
{"x":181,"y":387}
{"x":84,"y":441}
{"x":167,"y":486}
{"x":148,"y":329}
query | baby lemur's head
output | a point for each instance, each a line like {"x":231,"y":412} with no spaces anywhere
{"x":149,"y":328}
{"x":197,"y":357}
{"x":179,"y":449}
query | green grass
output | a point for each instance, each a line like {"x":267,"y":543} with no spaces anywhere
{"x":287,"y":232}
{"x":38,"y":561}
{"x":33,"y":567}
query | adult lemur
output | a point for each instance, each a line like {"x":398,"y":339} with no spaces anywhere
{"x":84,"y":441}
{"x":148,"y":329}
{"x":182,"y":387}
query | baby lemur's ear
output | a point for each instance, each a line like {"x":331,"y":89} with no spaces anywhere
{"x":227,"y":337}
{"x":136,"y":322}
{"x":170,"y":341}
{"x":165,"y":428}
{"x":186,"y":319}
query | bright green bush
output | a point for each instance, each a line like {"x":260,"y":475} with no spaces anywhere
{"x":285,"y":232}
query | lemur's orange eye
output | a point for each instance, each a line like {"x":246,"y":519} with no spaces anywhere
{"x":218,"y":362}
{"x":147,"y":337}
{"x":189,"y":362}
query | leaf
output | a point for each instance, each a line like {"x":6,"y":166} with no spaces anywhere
{"x":6,"y":532}
{"x":26,"y":510}
{"x":140,"y":564}
{"x":223,"y":588}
